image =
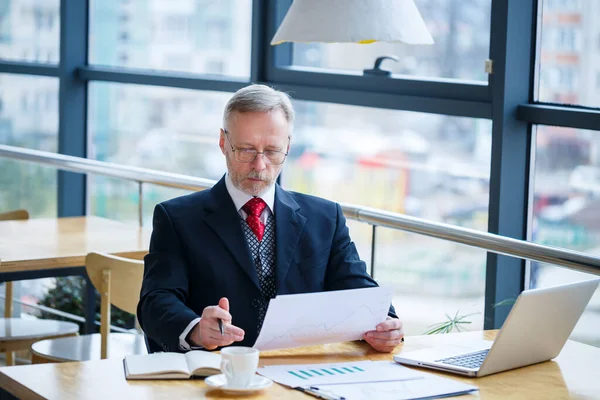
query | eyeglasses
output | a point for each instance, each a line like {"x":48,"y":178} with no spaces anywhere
{"x":249,"y":155}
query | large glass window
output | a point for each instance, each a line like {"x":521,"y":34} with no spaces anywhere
{"x":29,"y":30}
{"x":460,"y":29}
{"x":197,"y":36}
{"x":28,"y":118}
{"x":430,"y":166}
{"x":570,"y":52}
{"x":566,"y":209}
{"x":173,"y":130}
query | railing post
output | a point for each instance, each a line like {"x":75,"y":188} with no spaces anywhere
{"x":373,"y":241}
{"x":140,"y":204}
{"x":89,"y":302}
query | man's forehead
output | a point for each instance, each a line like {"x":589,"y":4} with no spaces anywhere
{"x":265,"y":138}
{"x":262,"y":127}
{"x":275,"y":113}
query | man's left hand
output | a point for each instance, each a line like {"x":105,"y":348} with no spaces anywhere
{"x":387,"y":335}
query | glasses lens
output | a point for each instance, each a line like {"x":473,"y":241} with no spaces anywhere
{"x":275,"y":157}
{"x":246,"y":155}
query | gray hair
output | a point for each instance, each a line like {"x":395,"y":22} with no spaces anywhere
{"x":259,"y":98}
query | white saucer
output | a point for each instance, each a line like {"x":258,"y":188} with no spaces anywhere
{"x":219,"y":382}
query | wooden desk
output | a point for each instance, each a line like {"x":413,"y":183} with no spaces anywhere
{"x":574,"y":374}
{"x":50,"y":247}
{"x":49,"y":243}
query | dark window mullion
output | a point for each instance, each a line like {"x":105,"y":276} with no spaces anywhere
{"x":154,"y":78}
{"x":560,"y":115}
{"x":512,"y":48}
{"x":410,"y":86}
{"x":11,"y":67}
{"x":72,"y":102}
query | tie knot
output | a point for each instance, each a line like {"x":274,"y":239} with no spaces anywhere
{"x":254,"y":206}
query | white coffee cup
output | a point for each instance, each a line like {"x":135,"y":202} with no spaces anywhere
{"x":239,"y":365}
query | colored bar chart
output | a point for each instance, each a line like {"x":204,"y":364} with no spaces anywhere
{"x":307,"y":374}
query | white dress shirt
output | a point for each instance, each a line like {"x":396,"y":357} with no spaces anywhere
{"x":239,"y":199}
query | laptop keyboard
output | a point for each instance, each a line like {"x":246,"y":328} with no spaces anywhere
{"x":471,"y":360}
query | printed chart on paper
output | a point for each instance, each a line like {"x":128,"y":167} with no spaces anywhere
{"x":326,"y":317}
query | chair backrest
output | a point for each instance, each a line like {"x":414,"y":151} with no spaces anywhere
{"x":119,"y":281}
{"x":8,"y":286}
{"x":14,"y":215}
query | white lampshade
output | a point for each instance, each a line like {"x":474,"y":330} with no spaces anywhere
{"x":353,"y":21}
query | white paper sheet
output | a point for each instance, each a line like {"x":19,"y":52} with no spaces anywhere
{"x":305,"y":375}
{"x":308,"y":319}
{"x":424,"y":388}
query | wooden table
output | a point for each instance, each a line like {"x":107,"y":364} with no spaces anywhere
{"x":49,"y":243}
{"x":50,"y":247}
{"x":573,"y":374}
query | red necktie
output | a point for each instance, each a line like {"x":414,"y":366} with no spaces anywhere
{"x":254,"y":207}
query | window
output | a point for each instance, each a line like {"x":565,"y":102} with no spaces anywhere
{"x":566,"y":209}
{"x":218,"y":33}
{"x":28,"y":118}
{"x":566,"y":39}
{"x":430,"y":166}
{"x":5,"y":33}
{"x":568,"y":54}
{"x":123,"y":58}
{"x":460,"y":29}
{"x":568,"y":78}
{"x":215,"y":67}
{"x":30,"y":32}
{"x":562,"y":5}
{"x":175,"y":27}
{"x":165,"y":28}
{"x":172,"y":130}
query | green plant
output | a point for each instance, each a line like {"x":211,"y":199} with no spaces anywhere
{"x":450,"y":324}
{"x":506,"y":302}
{"x":67,"y":296}
{"x":455,"y":322}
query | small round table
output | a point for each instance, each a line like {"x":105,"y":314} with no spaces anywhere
{"x":20,"y":333}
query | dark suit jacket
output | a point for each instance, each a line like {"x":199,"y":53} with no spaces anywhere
{"x":198,"y":254}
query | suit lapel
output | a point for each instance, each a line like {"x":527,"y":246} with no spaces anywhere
{"x":289,"y":224}
{"x":224,"y":221}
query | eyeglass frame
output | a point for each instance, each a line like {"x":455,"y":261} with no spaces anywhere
{"x":265,"y":159}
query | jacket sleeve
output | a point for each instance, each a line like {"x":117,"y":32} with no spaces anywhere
{"x":345,"y":269}
{"x":162,"y":312}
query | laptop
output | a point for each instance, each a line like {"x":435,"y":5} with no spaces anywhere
{"x":535,"y":330}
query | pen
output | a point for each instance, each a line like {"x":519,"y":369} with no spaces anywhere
{"x":221,"y":327}
{"x":319,"y":394}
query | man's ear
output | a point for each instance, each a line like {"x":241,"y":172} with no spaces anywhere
{"x":222,"y":140}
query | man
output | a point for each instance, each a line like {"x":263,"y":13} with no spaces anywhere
{"x":221,"y":254}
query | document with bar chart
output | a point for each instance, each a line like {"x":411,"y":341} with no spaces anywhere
{"x":309,"y":319}
{"x":304,"y":375}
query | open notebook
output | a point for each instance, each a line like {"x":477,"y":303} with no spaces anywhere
{"x":172,"y":365}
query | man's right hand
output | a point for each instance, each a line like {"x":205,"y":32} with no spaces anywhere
{"x":207,"y":334}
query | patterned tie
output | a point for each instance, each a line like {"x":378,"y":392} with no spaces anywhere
{"x":254,"y":207}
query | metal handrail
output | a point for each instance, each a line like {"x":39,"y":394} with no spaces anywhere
{"x":84,"y":165}
{"x":66,"y":315}
{"x":495,"y":243}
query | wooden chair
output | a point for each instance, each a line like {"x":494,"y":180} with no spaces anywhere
{"x":119,"y":281}
{"x":16,"y":215}
{"x":18,"y":334}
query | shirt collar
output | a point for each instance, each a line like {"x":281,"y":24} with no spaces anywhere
{"x":240,"y":198}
